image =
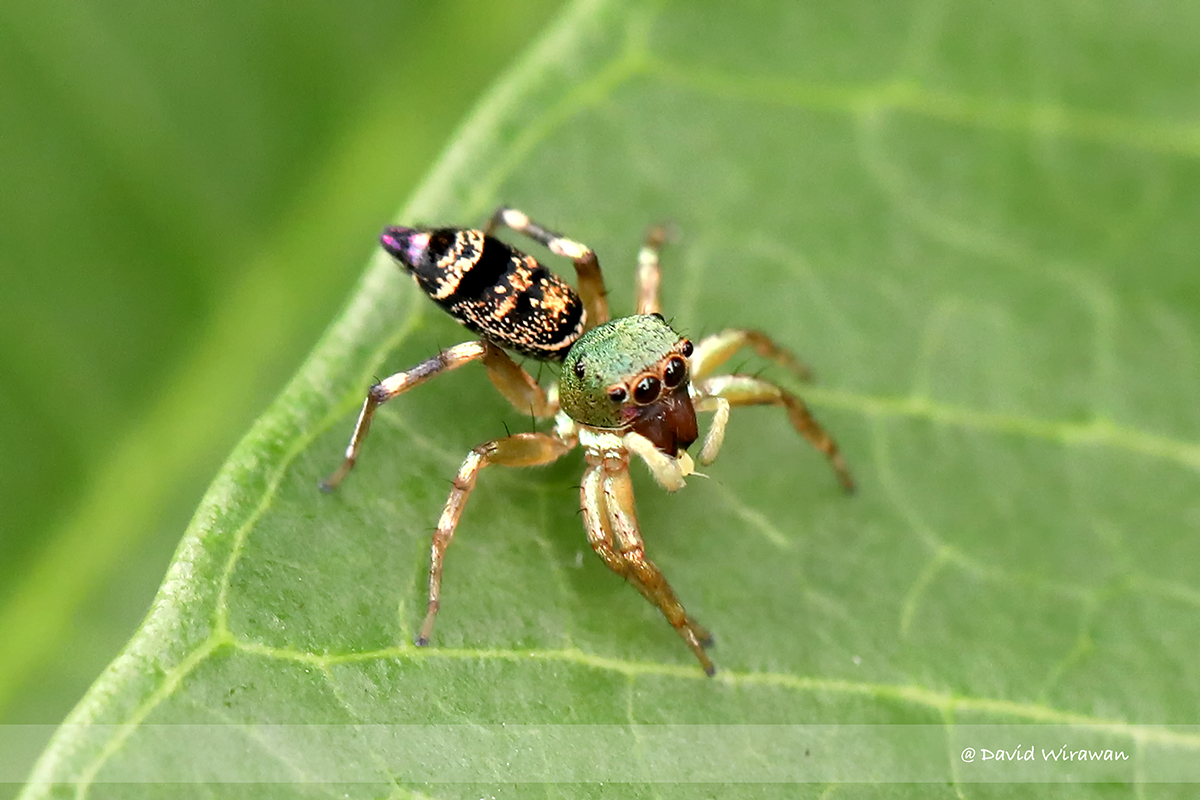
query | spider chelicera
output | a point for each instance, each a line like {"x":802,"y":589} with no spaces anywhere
{"x":628,"y":387}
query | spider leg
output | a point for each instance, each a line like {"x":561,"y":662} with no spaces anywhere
{"x":611,"y":523}
{"x":516,"y":384}
{"x":745,"y":390}
{"x":716,"y":430}
{"x":395,"y":385}
{"x":713,"y":351}
{"x":667,"y":470}
{"x":649,"y":276}
{"x":598,"y":525}
{"x":510,"y":379}
{"x":519,"y":450}
{"x":587,"y":266}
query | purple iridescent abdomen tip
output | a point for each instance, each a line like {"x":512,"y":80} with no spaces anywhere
{"x":406,"y":245}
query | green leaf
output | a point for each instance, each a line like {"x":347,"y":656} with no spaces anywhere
{"x":209,"y":251}
{"x":974,"y":220}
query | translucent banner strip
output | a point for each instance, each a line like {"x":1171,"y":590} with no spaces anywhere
{"x":253,"y":753}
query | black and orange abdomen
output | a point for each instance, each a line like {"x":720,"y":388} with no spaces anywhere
{"x":494,"y":290}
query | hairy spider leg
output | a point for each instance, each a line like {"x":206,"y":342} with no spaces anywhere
{"x":510,"y":379}
{"x":713,"y":351}
{"x":393,"y":386}
{"x":519,"y":450}
{"x":746,"y":390}
{"x":649,"y":276}
{"x":606,"y":497}
{"x":598,"y":526}
{"x":587,"y":266}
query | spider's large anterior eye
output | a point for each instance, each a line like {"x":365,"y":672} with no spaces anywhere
{"x":617,"y":394}
{"x":675,"y":372}
{"x":687,"y":349}
{"x":579,"y":369}
{"x":647,"y":390}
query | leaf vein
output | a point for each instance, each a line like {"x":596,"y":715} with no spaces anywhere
{"x":908,"y":693}
{"x":906,"y":95}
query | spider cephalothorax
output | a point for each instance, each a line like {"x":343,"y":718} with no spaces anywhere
{"x":631,"y":373}
{"x":628,"y":387}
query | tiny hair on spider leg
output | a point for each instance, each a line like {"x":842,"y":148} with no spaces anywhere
{"x":628,"y":388}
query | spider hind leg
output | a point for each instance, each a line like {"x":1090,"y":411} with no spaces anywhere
{"x":587,"y":266}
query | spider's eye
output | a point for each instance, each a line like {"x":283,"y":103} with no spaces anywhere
{"x":647,"y":390}
{"x":617,"y":394}
{"x":579,"y":369}
{"x":675,"y":372}
{"x":661,"y":318}
{"x":687,"y":349}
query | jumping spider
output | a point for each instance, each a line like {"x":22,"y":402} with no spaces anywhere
{"x":628,"y":386}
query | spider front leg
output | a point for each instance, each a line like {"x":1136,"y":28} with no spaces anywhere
{"x":520,"y":450}
{"x":720,"y":392}
{"x":509,"y":378}
{"x":587,"y":266}
{"x":610,"y":520}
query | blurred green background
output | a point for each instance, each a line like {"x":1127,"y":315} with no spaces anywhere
{"x":981,"y":216}
{"x":189,"y":193}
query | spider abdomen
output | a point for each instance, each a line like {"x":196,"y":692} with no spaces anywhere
{"x":493,"y":289}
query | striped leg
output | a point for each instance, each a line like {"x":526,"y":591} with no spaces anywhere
{"x":643,"y":573}
{"x":599,"y":521}
{"x":520,"y":450}
{"x":744,"y":390}
{"x":587,"y":266}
